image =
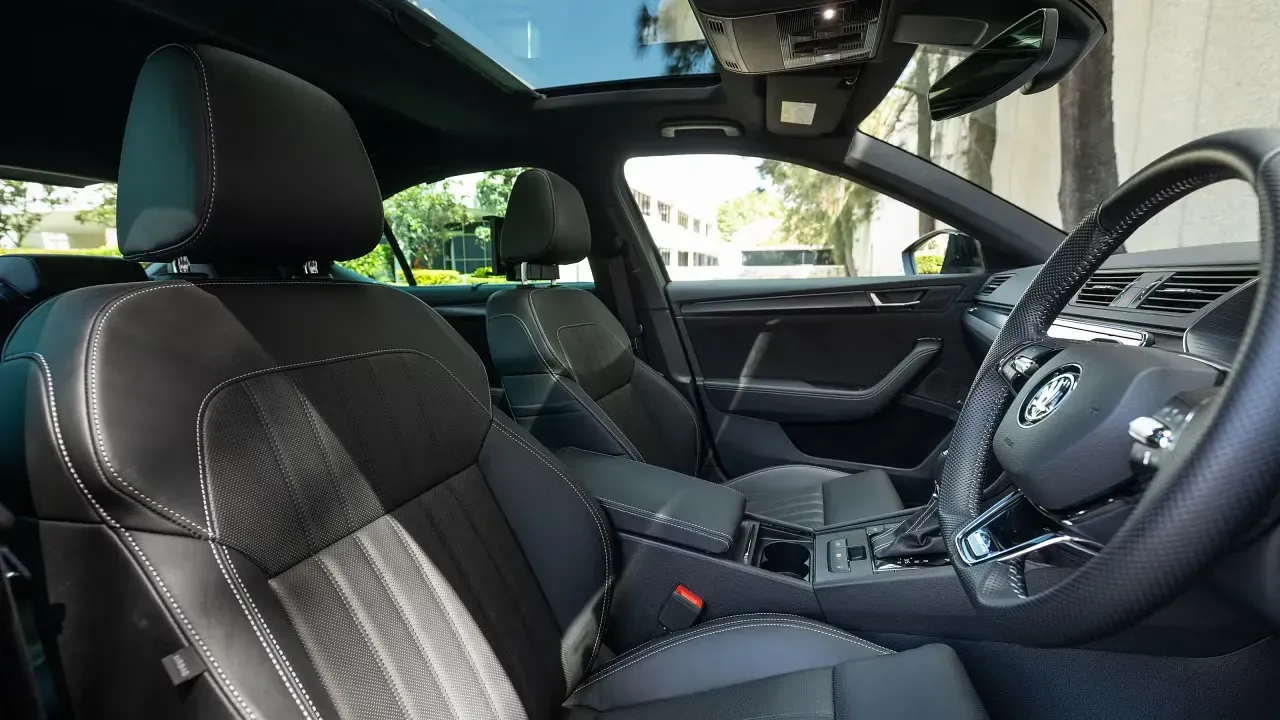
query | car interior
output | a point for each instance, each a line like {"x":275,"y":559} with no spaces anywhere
{"x":259,"y":463}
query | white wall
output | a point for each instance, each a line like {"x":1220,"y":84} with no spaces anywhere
{"x":1182,"y":69}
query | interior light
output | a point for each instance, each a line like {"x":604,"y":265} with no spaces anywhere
{"x":828,"y":13}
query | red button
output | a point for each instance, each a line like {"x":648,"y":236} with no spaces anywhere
{"x":689,"y":595}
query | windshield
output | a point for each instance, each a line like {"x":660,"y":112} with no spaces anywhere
{"x":553,"y":43}
{"x":1166,"y":74}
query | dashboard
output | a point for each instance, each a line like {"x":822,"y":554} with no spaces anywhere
{"x":1195,"y":301}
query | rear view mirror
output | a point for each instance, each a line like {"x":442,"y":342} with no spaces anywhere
{"x":1009,"y":61}
{"x":943,"y":252}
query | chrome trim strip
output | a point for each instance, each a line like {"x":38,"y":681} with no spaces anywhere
{"x":974,"y":543}
{"x":1077,"y":330}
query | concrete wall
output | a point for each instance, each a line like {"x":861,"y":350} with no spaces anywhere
{"x":1182,"y":69}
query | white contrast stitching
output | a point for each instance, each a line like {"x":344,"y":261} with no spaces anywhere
{"x":97,"y":420}
{"x":924,"y":513}
{"x":172,"y":602}
{"x":241,"y":593}
{"x":609,"y":427}
{"x":629,"y":663}
{"x":761,"y":471}
{"x":604,"y":537}
{"x":674,"y":522}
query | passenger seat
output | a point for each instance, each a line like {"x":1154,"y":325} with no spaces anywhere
{"x":28,"y":280}
{"x":571,"y":379}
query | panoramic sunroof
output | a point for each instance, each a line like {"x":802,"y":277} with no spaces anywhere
{"x":554,"y":43}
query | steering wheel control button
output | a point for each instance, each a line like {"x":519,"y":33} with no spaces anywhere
{"x":1049,"y":395}
{"x":1023,"y":363}
{"x":1151,"y":432}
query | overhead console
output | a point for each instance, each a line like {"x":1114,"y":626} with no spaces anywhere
{"x":793,"y":36}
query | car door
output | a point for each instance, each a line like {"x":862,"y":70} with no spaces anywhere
{"x":844,"y":352}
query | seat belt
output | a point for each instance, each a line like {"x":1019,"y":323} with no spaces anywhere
{"x":27,"y":685}
{"x":623,"y":297}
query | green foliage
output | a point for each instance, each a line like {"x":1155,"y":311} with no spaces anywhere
{"x":22,"y":208}
{"x":379,"y":264}
{"x":98,"y":251}
{"x":438,"y":277}
{"x":424,"y":217}
{"x":105,"y":212}
{"x":928,"y":264}
{"x":821,"y":210}
{"x":483,"y":272}
{"x":494,"y":189}
{"x":738,"y":212}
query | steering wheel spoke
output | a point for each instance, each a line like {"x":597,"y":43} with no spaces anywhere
{"x":1012,"y":528}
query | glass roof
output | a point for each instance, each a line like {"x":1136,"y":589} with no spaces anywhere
{"x":554,"y":43}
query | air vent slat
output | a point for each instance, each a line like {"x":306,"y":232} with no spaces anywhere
{"x":1187,"y":291}
{"x":1104,"y":287}
{"x":994,"y":282}
{"x":715,"y":26}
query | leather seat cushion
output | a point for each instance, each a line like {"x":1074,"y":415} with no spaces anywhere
{"x":776,"y":666}
{"x":814,"y":497}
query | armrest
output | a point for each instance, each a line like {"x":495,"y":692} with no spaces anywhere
{"x":658,"y":503}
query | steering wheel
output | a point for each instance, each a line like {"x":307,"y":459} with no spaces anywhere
{"x":1145,"y":465}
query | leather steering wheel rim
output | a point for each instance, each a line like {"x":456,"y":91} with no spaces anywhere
{"x":1197,"y":506}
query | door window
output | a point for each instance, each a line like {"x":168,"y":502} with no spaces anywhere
{"x":743,"y":217}
{"x":445,"y":230}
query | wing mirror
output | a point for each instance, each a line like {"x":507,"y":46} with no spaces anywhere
{"x":1009,"y":61}
{"x":943,"y":252}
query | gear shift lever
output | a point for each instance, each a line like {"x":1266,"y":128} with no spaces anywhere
{"x":919,"y":535}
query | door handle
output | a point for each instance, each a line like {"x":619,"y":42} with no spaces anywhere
{"x":875,"y":300}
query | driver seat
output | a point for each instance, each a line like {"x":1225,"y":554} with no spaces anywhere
{"x":296,"y":497}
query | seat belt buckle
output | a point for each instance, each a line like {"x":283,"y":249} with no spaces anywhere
{"x":635,"y":339}
{"x":681,"y":610}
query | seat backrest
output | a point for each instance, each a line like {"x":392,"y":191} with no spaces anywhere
{"x":28,"y":280}
{"x":302,"y":483}
{"x":566,"y":366}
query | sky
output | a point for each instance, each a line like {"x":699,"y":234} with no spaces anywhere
{"x":697,"y":183}
{"x":571,"y":41}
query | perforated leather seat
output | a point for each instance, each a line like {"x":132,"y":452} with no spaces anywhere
{"x":571,"y":379}
{"x":303,"y":487}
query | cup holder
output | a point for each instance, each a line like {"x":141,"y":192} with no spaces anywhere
{"x":786,"y":558}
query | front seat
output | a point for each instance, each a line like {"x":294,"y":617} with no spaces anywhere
{"x":571,"y":379}
{"x":297,"y":493}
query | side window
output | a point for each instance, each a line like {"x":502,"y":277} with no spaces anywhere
{"x":445,"y":230}
{"x":723,"y":217}
{"x":39,"y":218}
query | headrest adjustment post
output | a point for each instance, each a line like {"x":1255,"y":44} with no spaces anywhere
{"x":524,"y":273}
{"x":181,"y":265}
{"x":311,"y":267}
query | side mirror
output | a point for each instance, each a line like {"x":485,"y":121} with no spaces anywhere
{"x":943,"y":252}
{"x":1009,"y":61}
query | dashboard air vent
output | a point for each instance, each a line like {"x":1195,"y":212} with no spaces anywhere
{"x":1187,"y":291}
{"x":1104,"y":287}
{"x":994,"y":282}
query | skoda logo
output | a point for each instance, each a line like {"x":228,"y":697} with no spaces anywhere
{"x":1049,"y":395}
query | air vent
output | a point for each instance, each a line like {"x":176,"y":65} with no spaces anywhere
{"x":731,"y":64}
{"x":1187,"y":291}
{"x":715,"y":26}
{"x":994,"y":282}
{"x":1104,"y":287}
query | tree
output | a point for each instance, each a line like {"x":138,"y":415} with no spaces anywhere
{"x":1087,"y":129}
{"x":22,"y":208}
{"x":738,"y":212}
{"x":494,"y":189}
{"x":105,"y":212}
{"x":658,"y":27}
{"x":424,"y":218}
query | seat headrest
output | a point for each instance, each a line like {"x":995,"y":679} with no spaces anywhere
{"x":546,"y":222}
{"x":36,"y":277}
{"x":228,"y":159}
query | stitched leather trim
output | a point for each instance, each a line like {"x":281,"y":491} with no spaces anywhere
{"x":741,"y":622}
{"x":226,"y":685}
{"x":811,"y":468}
{"x":686,"y":526}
